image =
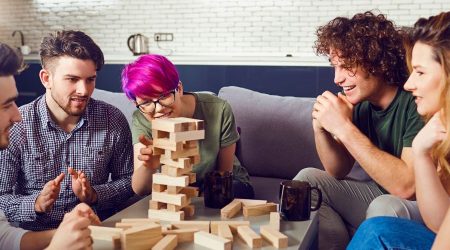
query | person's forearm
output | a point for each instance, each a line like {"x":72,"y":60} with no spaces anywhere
{"x":431,"y":196}
{"x":333,"y":155}
{"x":36,"y":240}
{"x":225,"y":158}
{"x":442,"y":241}
{"x":19,"y":208}
{"x":389,"y":171}
{"x":142,"y":180}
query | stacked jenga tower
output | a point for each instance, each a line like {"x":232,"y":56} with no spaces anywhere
{"x":176,"y":141}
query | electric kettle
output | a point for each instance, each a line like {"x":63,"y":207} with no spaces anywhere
{"x":138,"y":44}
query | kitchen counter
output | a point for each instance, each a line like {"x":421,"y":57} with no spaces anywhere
{"x":230,"y":60}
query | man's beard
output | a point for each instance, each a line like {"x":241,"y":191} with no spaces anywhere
{"x":67,"y":107}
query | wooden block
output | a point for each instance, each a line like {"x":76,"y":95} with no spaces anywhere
{"x":127,"y":225}
{"x":175,"y":199}
{"x":192,"y":177}
{"x":232,"y":224}
{"x":224,"y":231}
{"x":179,"y":163}
{"x":275,"y":220}
{"x":165,"y":215}
{"x":193,"y":135}
{"x":181,"y":153}
{"x":141,"y":237}
{"x":182,"y":181}
{"x":158,"y":151}
{"x":189,"y":210}
{"x":189,"y":191}
{"x":273,"y":236}
{"x":212,"y":241}
{"x":174,"y":171}
{"x":157,"y":134}
{"x":132,"y":220}
{"x":250,"y":237}
{"x":177,"y":124}
{"x":158,"y":187}
{"x":157,"y":205}
{"x":200,"y":225}
{"x":173,"y":208}
{"x":251,"y":202}
{"x":169,"y":242}
{"x":110,"y":234}
{"x":230,"y":210}
{"x":195,"y":159}
{"x":184,"y":235}
{"x":174,"y":190}
{"x":259,"y":209}
{"x":167,"y":144}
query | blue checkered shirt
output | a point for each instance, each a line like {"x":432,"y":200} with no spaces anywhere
{"x":99,"y":145}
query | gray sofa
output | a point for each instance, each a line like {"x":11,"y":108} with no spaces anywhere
{"x":276,"y":134}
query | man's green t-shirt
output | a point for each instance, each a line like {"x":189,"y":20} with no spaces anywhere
{"x":391,"y":129}
{"x":220,"y":131}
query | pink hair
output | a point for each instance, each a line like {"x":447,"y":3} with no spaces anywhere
{"x":149,"y":76}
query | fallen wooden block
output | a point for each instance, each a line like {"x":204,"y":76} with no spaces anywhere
{"x":184,"y":235}
{"x":212,"y":241}
{"x":165,"y":215}
{"x":169,"y":242}
{"x":230,"y":210}
{"x":110,"y":234}
{"x":126,"y":225}
{"x":224,"y":231}
{"x":141,"y":237}
{"x":259,"y":209}
{"x":131,"y":220}
{"x":232,"y":224}
{"x":275,"y":220}
{"x":200,"y":225}
{"x":182,"y":181}
{"x":250,"y":237}
{"x":273,"y":236}
{"x":251,"y":202}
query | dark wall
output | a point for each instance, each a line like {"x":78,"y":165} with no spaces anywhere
{"x":305,"y":81}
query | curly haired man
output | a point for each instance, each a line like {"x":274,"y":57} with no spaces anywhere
{"x":371,"y":123}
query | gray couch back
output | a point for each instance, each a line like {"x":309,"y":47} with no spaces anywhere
{"x":277,"y":138}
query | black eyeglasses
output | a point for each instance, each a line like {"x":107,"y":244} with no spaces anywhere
{"x":165,"y":100}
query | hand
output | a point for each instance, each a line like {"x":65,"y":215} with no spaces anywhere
{"x":81,"y":187}
{"x":332,"y":112}
{"x":45,"y":200}
{"x":84,"y":210}
{"x":146,"y":154}
{"x":73,"y":233}
{"x":433,"y":132}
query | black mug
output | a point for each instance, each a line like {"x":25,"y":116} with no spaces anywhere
{"x":218,"y":189}
{"x":295,"y":200}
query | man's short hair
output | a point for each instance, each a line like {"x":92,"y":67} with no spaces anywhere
{"x":369,"y":41}
{"x":70,"y":43}
{"x":11,"y":62}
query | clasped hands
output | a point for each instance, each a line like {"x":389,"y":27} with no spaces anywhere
{"x":80,"y":186}
{"x":331,"y":112}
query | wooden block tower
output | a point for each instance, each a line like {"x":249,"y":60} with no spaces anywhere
{"x":176,"y":141}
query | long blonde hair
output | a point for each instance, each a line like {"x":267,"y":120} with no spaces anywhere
{"x":435,"y":32}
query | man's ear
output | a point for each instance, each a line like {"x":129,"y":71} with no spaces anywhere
{"x":44,"y":75}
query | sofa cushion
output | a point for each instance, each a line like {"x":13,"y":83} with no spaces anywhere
{"x":277,"y":138}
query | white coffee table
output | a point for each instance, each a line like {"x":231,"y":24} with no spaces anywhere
{"x":302,"y":234}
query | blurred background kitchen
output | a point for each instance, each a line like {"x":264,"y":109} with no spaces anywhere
{"x":264,"y":45}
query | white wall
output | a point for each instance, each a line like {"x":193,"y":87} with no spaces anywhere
{"x":211,"y":27}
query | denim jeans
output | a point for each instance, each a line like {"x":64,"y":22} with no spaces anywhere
{"x":392,"y":233}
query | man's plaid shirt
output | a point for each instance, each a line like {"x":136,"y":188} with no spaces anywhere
{"x":39,"y":151}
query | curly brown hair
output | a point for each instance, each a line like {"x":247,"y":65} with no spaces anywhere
{"x":368,"y":41}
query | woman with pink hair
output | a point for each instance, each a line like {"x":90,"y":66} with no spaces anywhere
{"x":153,"y":84}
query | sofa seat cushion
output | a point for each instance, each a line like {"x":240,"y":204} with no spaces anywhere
{"x":277,"y":138}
